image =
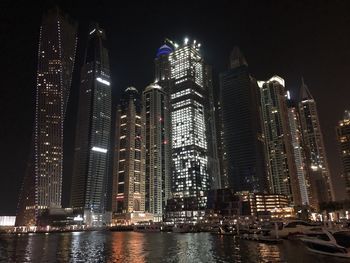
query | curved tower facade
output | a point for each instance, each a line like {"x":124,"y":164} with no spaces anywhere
{"x":42,"y":188}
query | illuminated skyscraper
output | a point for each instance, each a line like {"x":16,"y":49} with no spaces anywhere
{"x":343,"y":136}
{"x":195,"y":169}
{"x":56,"y":55}
{"x":129,"y":156}
{"x":155,"y":119}
{"x":243,"y":140}
{"x":299,"y":154}
{"x":320,"y":181}
{"x":90,"y":175}
{"x":280,"y":155}
{"x":162,"y":67}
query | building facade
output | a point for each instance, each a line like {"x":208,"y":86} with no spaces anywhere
{"x":129,"y":156}
{"x":56,"y":56}
{"x":243,"y":139}
{"x":343,"y":136}
{"x":316,"y":160}
{"x":155,"y":118}
{"x":92,"y":143}
{"x":280,"y":155}
{"x":299,"y":154}
{"x":191,"y":124}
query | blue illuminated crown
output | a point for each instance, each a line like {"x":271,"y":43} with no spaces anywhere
{"x":164,"y":50}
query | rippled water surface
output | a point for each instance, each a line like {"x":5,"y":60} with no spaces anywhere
{"x":104,"y":246}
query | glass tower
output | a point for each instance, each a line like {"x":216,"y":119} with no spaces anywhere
{"x":299,"y":154}
{"x":191,"y":123}
{"x":129,"y":156}
{"x":343,"y":136}
{"x":280,"y":155}
{"x":155,"y":118}
{"x":90,"y":177}
{"x":243,"y":141}
{"x":317,"y":164}
{"x":56,"y":56}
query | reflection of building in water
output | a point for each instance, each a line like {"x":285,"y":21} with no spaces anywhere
{"x":269,"y":253}
{"x":127,"y":247}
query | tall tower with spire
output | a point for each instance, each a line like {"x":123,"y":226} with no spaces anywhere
{"x":316,"y":160}
{"x":90,"y":176}
{"x":244,"y":148}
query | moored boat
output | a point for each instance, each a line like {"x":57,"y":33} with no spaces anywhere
{"x":331,"y":243}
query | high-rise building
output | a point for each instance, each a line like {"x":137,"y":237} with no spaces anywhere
{"x":195,"y":169}
{"x":220,"y":145}
{"x":56,"y":56}
{"x":90,"y":174}
{"x":343,"y":136}
{"x":280,"y":155}
{"x":162,"y":67}
{"x":242,"y":127}
{"x":129,"y":156}
{"x":155,"y":117}
{"x":316,"y":160}
{"x":299,"y":154}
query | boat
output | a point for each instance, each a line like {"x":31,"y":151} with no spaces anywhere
{"x":331,"y":243}
{"x":147,"y":228}
{"x":294,"y":227}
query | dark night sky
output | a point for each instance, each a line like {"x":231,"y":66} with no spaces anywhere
{"x":288,"y":38}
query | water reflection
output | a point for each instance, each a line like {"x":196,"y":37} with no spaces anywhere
{"x":134,"y":247}
{"x":126,"y":247}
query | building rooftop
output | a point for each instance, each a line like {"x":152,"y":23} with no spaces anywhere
{"x":164,"y":50}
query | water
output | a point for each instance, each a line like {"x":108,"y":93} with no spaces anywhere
{"x":132,"y":247}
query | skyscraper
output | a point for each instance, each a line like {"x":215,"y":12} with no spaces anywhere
{"x":280,"y":154}
{"x":220,"y":145}
{"x":162,"y":67}
{"x":316,"y":159}
{"x":191,"y":119}
{"x":299,"y":154}
{"x":90,"y":175}
{"x":343,"y":136}
{"x":155,"y":117}
{"x":242,"y":127}
{"x":56,"y":55}
{"x":129,"y":156}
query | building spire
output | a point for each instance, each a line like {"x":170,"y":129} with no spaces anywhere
{"x":237,"y":58}
{"x":304,"y":91}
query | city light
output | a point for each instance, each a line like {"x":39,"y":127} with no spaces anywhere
{"x":98,"y":149}
{"x":103,"y":81}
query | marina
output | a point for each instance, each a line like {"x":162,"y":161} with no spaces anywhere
{"x":108,"y":246}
